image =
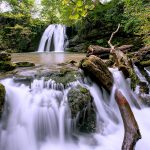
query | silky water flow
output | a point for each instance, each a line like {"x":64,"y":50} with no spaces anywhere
{"x":38,"y":117}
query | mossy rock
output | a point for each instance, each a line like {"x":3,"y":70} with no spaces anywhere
{"x":65,"y":75}
{"x":2,"y":98}
{"x":134,"y":79}
{"x":7,"y":66}
{"x":125,"y":71}
{"x":25,"y":64}
{"x":144,"y":87}
{"x":81,"y":105}
{"x":5,"y":56}
{"x":145,"y":63}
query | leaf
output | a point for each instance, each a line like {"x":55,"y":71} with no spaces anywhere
{"x":74,"y":17}
{"x":84,"y":13}
{"x":79,"y":3}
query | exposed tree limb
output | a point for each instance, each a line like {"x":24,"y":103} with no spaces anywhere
{"x":132,"y":132}
{"x":112,"y":35}
{"x":98,"y":50}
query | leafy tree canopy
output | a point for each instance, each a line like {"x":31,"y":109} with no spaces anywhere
{"x":137,"y":18}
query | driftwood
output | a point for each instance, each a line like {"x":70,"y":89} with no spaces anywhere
{"x":98,"y":50}
{"x":132,"y":133}
{"x":98,"y":70}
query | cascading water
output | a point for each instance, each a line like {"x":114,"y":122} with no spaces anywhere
{"x":38,"y":117}
{"x":54,"y":38}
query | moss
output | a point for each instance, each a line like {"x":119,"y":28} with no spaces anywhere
{"x":83,"y":90}
{"x":5,"y":56}
{"x":65,"y":76}
{"x":134,"y":79}
{"x":2,"y":98}
{"x":145,"y":63}
{"x":81,"y":102}
{"x":7,"y":66}
{"x":25,"y":64}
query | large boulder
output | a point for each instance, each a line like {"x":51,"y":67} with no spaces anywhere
{"x":82,"y":109}
{"x":2,"y":98}
{"x":95,"y":67}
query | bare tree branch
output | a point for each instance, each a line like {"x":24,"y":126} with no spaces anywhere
{"x":112,"y":35}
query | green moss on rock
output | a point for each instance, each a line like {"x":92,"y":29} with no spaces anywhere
{"x":7,"y":66}
{"x":65,"y":75}
{"x":25,"y":64}
{"x":145,"y":63}
{"x":81,"y":103}
{"x":5,"y":56}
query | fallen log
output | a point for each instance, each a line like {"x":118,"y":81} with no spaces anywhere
{"x":98,"y":50}
{"x":132,"y":132}
{"x":98,"y":70}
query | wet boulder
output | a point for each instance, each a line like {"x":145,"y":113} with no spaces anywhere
{"x":82,"y":109}
{"x":65,"y":75}
{"x":2,"y":98}
{"x":25,"y":64}
{"x":144,"y":88}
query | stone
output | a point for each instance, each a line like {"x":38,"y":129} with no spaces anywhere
{"x":65,"y":75}
{"x":125,"y":71}
{"x":25,"y":64}
{"x":145,"y":63}
{"x":5,"y":56}
{"x":6,"y":66}
{"x":144,"y":89}
{"x":82,"y":107}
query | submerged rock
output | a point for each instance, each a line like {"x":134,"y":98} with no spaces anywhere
{"x":2,"y":98}
{"x":25,"y":64}
{"x":82,"y":109}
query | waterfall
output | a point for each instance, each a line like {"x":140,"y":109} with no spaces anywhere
{"x":38,"y":117}
{"x":54,"y":38}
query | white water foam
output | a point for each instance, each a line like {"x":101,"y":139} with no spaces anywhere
{"x":39,"y":118}
{"x":54,"y":38}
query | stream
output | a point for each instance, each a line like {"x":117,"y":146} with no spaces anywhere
{"x":38,"y":117}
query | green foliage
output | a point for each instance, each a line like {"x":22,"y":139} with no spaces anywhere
{"x":102,"y":20}
{"x":20,"y":32}
{"x":137,"y":18}
{"x":25,"y":7}
{"x":65,"y":11}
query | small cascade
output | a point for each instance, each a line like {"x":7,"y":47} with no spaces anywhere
{"x":141,"y":78}
{"x":38,"y":117}
{"x":54,"y":38}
